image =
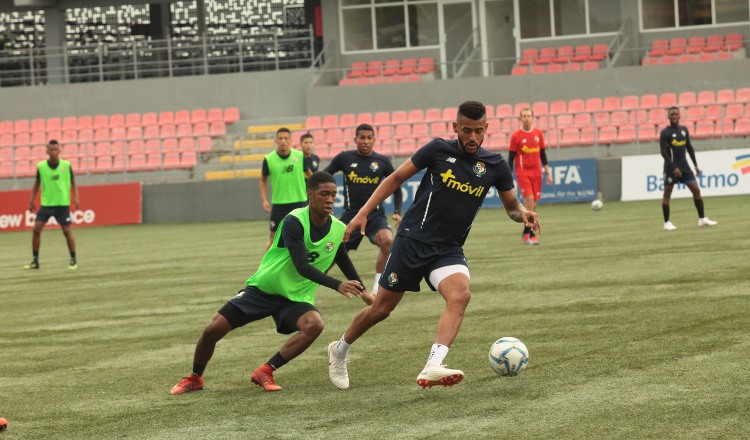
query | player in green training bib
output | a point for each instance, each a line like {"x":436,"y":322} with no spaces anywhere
{"x":308,"y":242}
{"x":286,"y":169}
{"x":55,"y":178}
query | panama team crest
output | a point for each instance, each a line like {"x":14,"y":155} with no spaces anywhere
{"x":329,"y":246}
{"x":480,"y":169}
{"x":393,"y":279}
{"x":374,"y":166}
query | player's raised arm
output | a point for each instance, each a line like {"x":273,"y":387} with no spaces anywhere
{"x":383,"y":191}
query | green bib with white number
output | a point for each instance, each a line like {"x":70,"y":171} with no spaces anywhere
{"x":277,"y":274}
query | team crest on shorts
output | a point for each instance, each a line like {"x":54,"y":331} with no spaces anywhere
{"x":393,"y":279}
{"x":329,"y":246}
{"x":479,"y":169}
{"x":374,"y":166}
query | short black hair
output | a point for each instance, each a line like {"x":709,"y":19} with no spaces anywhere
{"x":305,"y":136}
{"x":363,"y":127}
{"x":319,"y":177}
{"x":53,"y":142}
{"x":673,"y":108}
{"x":283,"y":130}
{"x":473,"y":110}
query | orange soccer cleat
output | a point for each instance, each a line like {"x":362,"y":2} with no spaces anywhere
{"x":188,"y":384}
{"x":263,"y":376}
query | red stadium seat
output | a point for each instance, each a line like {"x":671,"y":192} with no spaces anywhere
{"x":53,"y":124}
{"x":182,"y":117}
{"x":313,"y":122}
{"x":408,"y":66}
{"x":706,"y":57}
{"x":117,"y":121}
{"x":576,"y":105}
{"x":100,"y":121}
{"x":86,"y":135}
{"x":519,"y":70}
{"x":714,"y":43}
{"x":599,"y":52}
{"x":382,"y":118}
{"x":84,"y":122}
{"x":553,"y":68}
{"x":648,"y":101}
{"x":197,"y":115}
{"x":612,"y":103}
{"x":564,"y":53}
{"x":37,"y":124}
{"x":733,"y":42}
{"x":572,"y":67}
{"x":725,"y":96}
{"x":582,"y":53}
{"x":414,"y":116}
{"x":185,"y":129}
{"x":742,"y":127}
{"x":213,"y":115}
{"x":540,"y":108}
{"x":546,"y":55}
{"x":364,"y":118}
{"x":132,"y":120}
{"x":626,"y":134}
{"x":347,"y":120}
{"x":703,"y":130}
{"x":217,"y":129}
{"x":168,"y":130}
{"x":570,"y":136}
{"x":696,"y":44}
{"x":647,"y":132}
{"x":619,"y":118}
{"x":557,"y":107}
{"x":686,"y":98}
{"x":390,"y":67}
{"x":166,"y":118}
{"x":537,"y":69}
{"x":593,"y":104}
{"x":358,"y":69}
{"x":21,"y":126}
{"x":667,"y":100}
{"x":151,"y":131}
{"x":200,"y":129}
{"x":677,"y":46}
{"x":231,"y":115}
{"x":149,"y":118}
{"x":135,"y":132}
{"x":426,"y":65}
{"x":743,"y":94}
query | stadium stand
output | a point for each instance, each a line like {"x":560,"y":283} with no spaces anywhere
{"x":118,"y":142}
{"x":576,"y":122}
{"x":389,"y":71}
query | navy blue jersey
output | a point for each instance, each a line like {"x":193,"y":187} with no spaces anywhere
{"x":451,"y":191}
{"x":675,"y":143}
{"x":311,"y":163}
{"x":362,"y":175}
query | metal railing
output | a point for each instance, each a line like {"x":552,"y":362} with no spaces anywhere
{"x":289,"y":49}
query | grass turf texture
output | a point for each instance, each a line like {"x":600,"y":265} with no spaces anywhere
{"x":634,"y":332}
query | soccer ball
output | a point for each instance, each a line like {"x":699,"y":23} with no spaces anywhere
{"x":597,"y":205}
{"x":508,"y":356}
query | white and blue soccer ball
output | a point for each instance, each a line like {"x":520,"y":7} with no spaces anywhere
{"x":597,"y":205}
{"x":508,"y":356}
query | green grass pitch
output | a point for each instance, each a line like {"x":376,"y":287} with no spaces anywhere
{"x":633,"y":332}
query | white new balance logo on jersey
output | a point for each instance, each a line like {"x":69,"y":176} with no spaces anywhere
{"x":451,"y":160}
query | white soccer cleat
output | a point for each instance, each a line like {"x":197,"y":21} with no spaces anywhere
{"x":337,"y":367}
{"x":668,"y":226}
{"x":705,"y":221}
{"x":434,"y":375}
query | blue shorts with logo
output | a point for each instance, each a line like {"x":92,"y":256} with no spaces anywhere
{"x":376,"y":221}
{"x":60,"y":213}
{"x":670,"y":179}
{"x":411,"y":260}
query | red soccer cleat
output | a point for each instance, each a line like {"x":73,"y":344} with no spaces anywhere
{"x":263,"y":376}
{"x":188,"y":384}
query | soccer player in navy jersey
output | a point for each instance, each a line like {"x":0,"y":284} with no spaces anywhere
{"x":311,"y":160}
{"x":430,"y":239}
{"x":364,"y":170}
{"x":675,"y":142}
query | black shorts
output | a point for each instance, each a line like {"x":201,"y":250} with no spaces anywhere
{"x":60,"y":213}
{"x":670,"y":179}
{"x":250,"y":304}
{"x":411,"y":260}
{"x":278,"y":212}
{"x":376,"y":221}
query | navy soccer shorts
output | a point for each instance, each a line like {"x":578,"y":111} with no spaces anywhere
{"x":60,"y":213}
{"x":376,"y":221}
{"x":251,"y":304}
{"x":278,"y":212}
{"x":411,"y":260}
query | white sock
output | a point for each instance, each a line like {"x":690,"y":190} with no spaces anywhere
{"x":343,"y":348}
{"x":374,"y":290}
{"x":437,"y":354}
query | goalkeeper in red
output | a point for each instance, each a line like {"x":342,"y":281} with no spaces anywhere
{"x":308,"y":241}
{"x":527,"y":156}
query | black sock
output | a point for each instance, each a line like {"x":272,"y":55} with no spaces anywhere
{"x":699,"y":207}
{"x":198,"y":369}
{"x":36,"y":255}
{"x":665,"y":211}
{"x":526,"y":230}
{"x":73,"y":255}
{"x":277,"y":361}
